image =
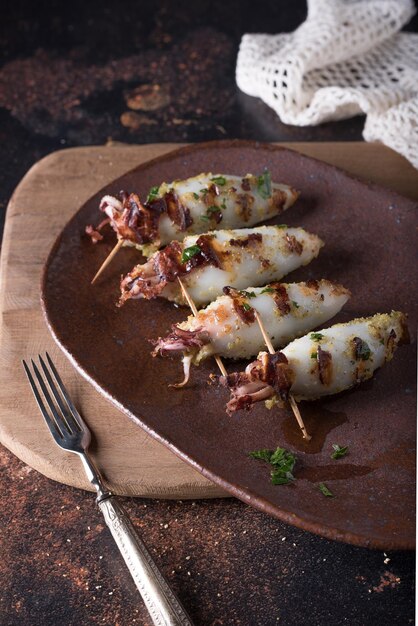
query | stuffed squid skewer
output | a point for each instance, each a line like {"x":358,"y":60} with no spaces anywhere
{"x":320,"y":363}
{"x":206,"y":263}
{"x":228,"y":326}
{"x":193,"y":206}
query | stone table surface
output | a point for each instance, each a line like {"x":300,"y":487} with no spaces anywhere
{"x":141,"y":72}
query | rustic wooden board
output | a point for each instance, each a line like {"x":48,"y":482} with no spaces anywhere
{"x":133,"y":463}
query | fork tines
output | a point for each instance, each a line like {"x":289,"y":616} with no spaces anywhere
{"x":63,"y":419}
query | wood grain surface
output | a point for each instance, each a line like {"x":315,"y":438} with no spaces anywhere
{"x":53,"y":189}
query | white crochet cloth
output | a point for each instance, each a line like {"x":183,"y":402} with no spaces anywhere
{"x":346,"y":58}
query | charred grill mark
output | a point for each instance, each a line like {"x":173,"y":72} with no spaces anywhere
{"x":277,"y":373}
{"x":244,"y":311}
{"x":206,"y":255}
{"x":362,"y":351}
{"x":405,"y":337}
{"x":245,"y":202}
{"x":391,"y":344}
{"x":215,"y":214}
{"x":210,"y":194}
{"x":245,"y":184}
{"x":246,"y":241}
{"x":324,"y":359}
{"x":137,"y":223}
{"x":279,"y":199}
{"x":293,"y":244}
{"x":177,"y":212}
{"x":312,"y":284}
{"x":167,"y":263}
{"x":265,"y":263}
{"x":281,"y":297}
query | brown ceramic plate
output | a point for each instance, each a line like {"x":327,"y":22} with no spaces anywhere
{"x":369,"y":248}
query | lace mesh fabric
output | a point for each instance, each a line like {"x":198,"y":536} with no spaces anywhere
{"x":347,"y":58}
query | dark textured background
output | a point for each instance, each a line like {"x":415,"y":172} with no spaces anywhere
{"x":69,"y":76}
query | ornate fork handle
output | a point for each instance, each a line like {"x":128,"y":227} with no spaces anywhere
{"x":71,"y":433}
{"x":163,"y":606}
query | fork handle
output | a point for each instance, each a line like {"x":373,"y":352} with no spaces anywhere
{"x":163,"y":606}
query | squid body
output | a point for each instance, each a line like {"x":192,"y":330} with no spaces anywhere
{"x":195,"y":205}
{"x":320,"y":363}
{"x":206,"y":263}
{"x":228,"y":326}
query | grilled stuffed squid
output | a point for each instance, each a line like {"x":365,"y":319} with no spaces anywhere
{"x":320,"y":363}
{"x":195,"y":205}
{"x":228,"y":326}
{"x":207,"y":262}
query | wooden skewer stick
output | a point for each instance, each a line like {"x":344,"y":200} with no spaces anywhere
{"x":292,"y":401}
{"x":194,"y":311}
{"x":266,"y":338}
{"x":108,"y":259}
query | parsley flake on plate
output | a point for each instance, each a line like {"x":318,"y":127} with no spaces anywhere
{"x":282,"y":462}
{"x":339,"y":451}
{"x":263,"y":455}
{"x":325,"y":491}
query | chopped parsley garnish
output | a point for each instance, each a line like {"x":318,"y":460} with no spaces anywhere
{"x":314,"y":355}
{"x":283,"y":458}
{"x":282,"y":462}
{"x":195,"y":195}
{"x":204,"y":191}
{"x":280,"y":477}
{"x":263,"y":455}
{"x":223,"y":205}
{"x":219,"y":180}
{"x":281,"y":225}
{"x":295,"y":304}
{"x":152,"y":194}
{"x":248,"y":294}
{"x":316,"y":336}
{"x":382,"y":341}
{"x":210,"y":213}
{"x":264,"y":184}
{"x":188,"y":253}
{"x":324,"y":489}
{"x":339,"y":451}
{"x":268,"y":290}
{"x":246,"y":306}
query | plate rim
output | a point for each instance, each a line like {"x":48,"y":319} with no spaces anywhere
{"x":245,"y":495}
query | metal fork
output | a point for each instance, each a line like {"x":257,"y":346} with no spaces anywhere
{"x":72,"y":434}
